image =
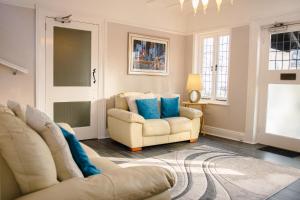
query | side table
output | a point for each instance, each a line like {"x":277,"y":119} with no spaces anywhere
{"x":201,"y":105}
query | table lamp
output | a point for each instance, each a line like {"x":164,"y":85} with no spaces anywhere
{"x":194,"y":86}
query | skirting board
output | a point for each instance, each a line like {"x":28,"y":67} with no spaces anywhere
{"x":223,"y":133}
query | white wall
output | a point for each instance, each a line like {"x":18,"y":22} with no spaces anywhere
{"x":17,"y":45}
{"x":116,"y":77}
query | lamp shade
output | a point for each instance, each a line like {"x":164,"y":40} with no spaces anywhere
{"x":194,"y":82}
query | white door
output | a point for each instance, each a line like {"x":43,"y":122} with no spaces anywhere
{"x":279,"y":89}
{"x":71,"y":75}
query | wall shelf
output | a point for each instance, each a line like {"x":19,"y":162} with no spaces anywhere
{"x":13,"y":67}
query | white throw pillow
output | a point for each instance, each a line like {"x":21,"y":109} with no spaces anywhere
{"x":52,"y":135}
{"x":17,"y":109}
{"x":131,"y":101}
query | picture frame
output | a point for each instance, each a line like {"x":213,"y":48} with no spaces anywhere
{"x":148,"y":55}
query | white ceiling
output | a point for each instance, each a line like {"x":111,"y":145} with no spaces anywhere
{"x":167,"y":15}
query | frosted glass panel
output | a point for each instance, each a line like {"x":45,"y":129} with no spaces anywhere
{"x":77,"y":114}
{"x":283,"y":114}
{"x":72,"y":57}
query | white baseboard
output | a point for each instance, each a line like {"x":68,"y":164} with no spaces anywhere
{"x":223,"y":133}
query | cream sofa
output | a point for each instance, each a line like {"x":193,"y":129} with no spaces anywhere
{"x":135,"y":132}
{"x":114,"y":183}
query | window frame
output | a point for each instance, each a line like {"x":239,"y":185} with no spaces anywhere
{"x":198,"y":62}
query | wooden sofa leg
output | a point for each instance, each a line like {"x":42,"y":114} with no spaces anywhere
{"x":193,"y":140}
{"x":136,"y":149}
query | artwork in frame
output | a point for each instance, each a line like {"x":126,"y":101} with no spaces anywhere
{"x":148,"y":55}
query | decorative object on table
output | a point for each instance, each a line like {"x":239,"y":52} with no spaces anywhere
{"x":205,"y":172}
{"x":148,"y":55}
{"x":194,"y":86}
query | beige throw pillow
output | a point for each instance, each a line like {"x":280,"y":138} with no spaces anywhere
{"x":131,"y":101}
{"x":26,"y":154}
{"x":52,"y":135}
{"x":17,"y":109}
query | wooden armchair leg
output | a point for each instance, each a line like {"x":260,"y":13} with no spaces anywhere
{"x":136,"y":149}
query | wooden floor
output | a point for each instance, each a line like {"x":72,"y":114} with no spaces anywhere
{"x":120,"y":154}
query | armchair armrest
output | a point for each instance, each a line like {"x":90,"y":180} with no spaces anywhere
{"x":131,"y":183}
{"x":125,"y":116}
{"x":190,"y":112}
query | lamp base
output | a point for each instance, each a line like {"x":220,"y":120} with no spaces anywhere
{"x":194,"y":96}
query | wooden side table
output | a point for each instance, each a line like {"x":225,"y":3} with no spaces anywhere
{"x":202,"y":106}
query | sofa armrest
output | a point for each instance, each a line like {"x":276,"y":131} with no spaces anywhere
{"x":131,"y":183}
{"x":125,"y":116}
{"x":190,"y":113}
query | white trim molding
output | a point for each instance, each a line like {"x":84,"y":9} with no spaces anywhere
{"x":223,"y":133}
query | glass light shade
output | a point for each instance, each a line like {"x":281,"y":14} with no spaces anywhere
{"x":195,"y":4}
{"x":205,"y":4}
{"x":219,"y":2}
{"x":181,"y":3}
{"x":194,"y":82}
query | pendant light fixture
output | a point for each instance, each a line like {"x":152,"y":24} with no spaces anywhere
{"x":219,"y":2}
{"x":195,"y":4}
{"x":204,"y":4}
{"x":181,"y":4}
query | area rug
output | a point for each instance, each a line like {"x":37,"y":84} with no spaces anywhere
{"x":209,"y":173}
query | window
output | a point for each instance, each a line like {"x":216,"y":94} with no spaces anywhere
{"x":214,"y":66}
{"x":284,"y":53}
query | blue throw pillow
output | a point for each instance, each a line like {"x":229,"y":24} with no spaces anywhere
{"x":148,"y":108}
{"x":79,"y":155}
{"x":169,"y":107}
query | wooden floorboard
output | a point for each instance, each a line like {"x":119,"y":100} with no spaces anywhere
{"x":121,"y":154}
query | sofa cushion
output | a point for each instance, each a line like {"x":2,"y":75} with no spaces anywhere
{"x":148,"y":108}
{"x":52,"y":135}
{"x":153,"y":127}
{"x":132,"y":183}
{"x":120,"y":99}
{"x":169,"y":107}
{"x":131,"y":101}
{"x":79,"y":155}
{"x":179,"y":124}
{"x":26,"y":154}
{"x":5,"y":109}
{"x":17,"y":109}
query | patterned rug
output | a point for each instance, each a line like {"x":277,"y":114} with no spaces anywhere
{"x":209,"y":173}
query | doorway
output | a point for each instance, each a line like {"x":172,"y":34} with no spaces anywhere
{"x":71,"y":74}
{"x":279,"y":88}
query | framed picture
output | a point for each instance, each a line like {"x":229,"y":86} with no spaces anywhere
{"x":148,"y":55}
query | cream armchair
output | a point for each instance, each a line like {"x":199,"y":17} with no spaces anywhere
{"x":135,"y":132}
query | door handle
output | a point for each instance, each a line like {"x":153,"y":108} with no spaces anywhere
{"x":94,"y":71}
{"x":216,"y":68}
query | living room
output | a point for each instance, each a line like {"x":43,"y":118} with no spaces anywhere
{"x":221,"y":74}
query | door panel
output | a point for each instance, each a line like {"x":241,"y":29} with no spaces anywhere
{"x":71,"y":71}
{"x":279,"y":100}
